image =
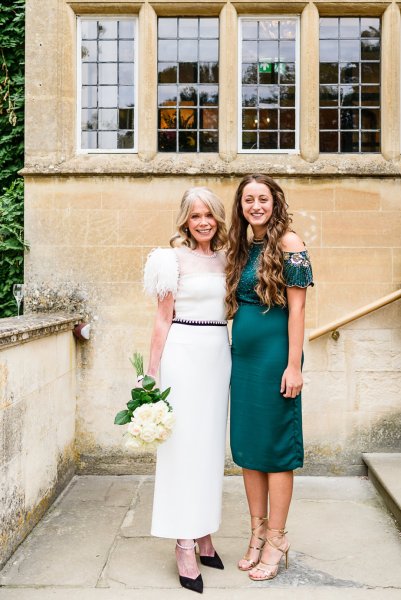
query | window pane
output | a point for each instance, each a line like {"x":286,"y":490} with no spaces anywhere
{"x":328,"y":28}
{"x":125,"y":139}
{"x":208,"y":141}
{"x":349,"y":141}
{"x":107,"y":29}
{"x":328,"y":72}
{"x":370,"y":72}
{"x":89,"y":30}
{"x":167,"y":72}
{"x":328,"y":119}
{"x":188,"y":52}
{"x":126,"y":118}
{"x":349,"y":73}
{"x":269,"y":78}
{"x":356,"y":69}
{"x":349,"y":119}
{"x":108,"y":74}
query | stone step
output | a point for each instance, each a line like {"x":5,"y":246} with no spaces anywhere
{"x":384,"y":470}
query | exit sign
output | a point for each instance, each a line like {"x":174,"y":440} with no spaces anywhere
{"x":265,"y":67}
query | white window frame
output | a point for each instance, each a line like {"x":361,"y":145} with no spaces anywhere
{"x":100,"y":17}
{"x":252,"y":17}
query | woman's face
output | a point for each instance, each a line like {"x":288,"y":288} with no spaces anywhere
{"x":201,"y":223}
{"x":257,"y":206}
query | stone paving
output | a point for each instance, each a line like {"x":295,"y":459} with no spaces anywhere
{"x":94,"y":544}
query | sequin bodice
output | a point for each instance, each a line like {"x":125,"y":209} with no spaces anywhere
{"x":297,"y":271}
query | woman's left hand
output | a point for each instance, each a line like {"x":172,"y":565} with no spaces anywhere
{"x":291,"y":382}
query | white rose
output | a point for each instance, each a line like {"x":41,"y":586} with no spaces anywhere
{"x":160,"y":410}
{"x":148,"y":433}
{"x":163,"y":433}
{"x":132,"y":442}
{"x":168,"y":421}
{"x":143,"y":413}
{"x":134,"y":428}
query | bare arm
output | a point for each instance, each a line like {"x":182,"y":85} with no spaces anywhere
{"x":162,"y":324}
{"x":292,"y":380}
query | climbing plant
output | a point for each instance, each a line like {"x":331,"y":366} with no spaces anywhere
{"x":12,"y":25}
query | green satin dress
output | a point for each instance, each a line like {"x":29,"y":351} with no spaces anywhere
{"x":265,"y":427}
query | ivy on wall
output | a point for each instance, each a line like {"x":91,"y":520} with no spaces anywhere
{"x":12,"y":34}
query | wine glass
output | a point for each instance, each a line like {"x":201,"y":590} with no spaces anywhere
{"x":18,"y":291}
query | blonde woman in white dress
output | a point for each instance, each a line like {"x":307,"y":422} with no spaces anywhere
{"x":190,"y":346}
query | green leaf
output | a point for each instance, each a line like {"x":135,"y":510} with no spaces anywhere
{"x":122,"y":418}
{"x":148,"y":382}
{"x":164,"y":394}
{"x":133,"y":405}
{"x":137,"y":393}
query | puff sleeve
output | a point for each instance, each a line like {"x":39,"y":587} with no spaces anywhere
{"x":161,"y":273}
{"x":297,"y":269}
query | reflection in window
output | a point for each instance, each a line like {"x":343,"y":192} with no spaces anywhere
{"x":269,"y":77}
{"x":188,"y":84}
{"x":350,"y":84}
{"x":108,"y":80}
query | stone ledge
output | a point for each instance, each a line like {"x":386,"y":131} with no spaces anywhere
{"x":30,"y":327}
{"x":384,"y":471}
{"x":285,"y":165}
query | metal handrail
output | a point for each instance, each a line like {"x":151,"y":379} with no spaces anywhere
{"x":360,"y":312}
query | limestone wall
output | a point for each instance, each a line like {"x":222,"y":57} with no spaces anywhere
{"x":37,"y":420}
{"x":90,"y":236}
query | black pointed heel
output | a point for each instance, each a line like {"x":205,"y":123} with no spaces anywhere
{"x":212,"y":561}
{"x":195,"y":585}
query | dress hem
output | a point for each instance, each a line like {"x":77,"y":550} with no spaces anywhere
{"x":186,"y":536}
{"x":297,"y":465}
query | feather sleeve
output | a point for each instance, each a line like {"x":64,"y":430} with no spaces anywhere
{"x":161,"y":273}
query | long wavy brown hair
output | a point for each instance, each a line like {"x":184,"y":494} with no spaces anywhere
{"x":270,"y":287}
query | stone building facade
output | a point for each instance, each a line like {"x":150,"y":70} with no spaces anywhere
{"x":130,"y":103}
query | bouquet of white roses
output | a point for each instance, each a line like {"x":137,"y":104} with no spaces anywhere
{"x":148,"y":414}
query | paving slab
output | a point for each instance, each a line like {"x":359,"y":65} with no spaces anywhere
{"x":94,"y":544}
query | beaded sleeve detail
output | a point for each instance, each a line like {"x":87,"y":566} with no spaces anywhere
{"x":297,"y":269}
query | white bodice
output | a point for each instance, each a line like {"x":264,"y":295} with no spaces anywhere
{"x":197,"y":282}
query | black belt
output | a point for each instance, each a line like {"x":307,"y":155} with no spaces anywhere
{"x":200,"y":323}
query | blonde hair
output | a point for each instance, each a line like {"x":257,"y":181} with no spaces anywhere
{"x":183,"y":237}
{"x":270,"y":286}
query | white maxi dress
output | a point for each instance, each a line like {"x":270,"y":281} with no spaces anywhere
{"x":196,"y":364}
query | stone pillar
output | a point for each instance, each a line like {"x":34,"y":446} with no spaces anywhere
{"x":228,"y":83}
{"x":309,"y":88}
{"x":390,"y":82}
{"x":147,"y":82}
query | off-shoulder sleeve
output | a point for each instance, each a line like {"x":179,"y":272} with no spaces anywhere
{"x":161,"y":273}
{"x":297,"y":269}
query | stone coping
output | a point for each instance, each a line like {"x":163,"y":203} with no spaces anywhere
{"x":289,"y":165}
{"x":14,"y":331}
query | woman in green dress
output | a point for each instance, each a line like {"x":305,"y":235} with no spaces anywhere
{"x":267,"y":277}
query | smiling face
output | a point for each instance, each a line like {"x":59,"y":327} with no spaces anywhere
{"x":257,"y":206}
{"x":201,"y":223}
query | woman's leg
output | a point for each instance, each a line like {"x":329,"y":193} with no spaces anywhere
{"x":280,"y":494}
{"x":257,"y":488}
{"x":186,"y":559}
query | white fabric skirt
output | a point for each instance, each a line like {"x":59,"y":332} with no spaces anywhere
{"x":196,"y":364}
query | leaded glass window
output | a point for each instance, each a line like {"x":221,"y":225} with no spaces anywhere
{"x":188,"y":84}
{"x":268,"y":91}
{"x":350,"y":84}
{"x":107,"y":94}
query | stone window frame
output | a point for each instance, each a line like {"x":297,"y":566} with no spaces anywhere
{"x":390,"y":63}
{"x":95,"y":16}
{"x":255,"y":17}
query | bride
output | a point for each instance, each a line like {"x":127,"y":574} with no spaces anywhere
{"x":190,"y":345}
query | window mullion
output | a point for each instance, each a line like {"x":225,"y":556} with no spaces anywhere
{"x":309,"y":84}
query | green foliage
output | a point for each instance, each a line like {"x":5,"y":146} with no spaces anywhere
{"x":147,"y":394}
{"x":12,"y":23}
{"x":11,"y":245}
